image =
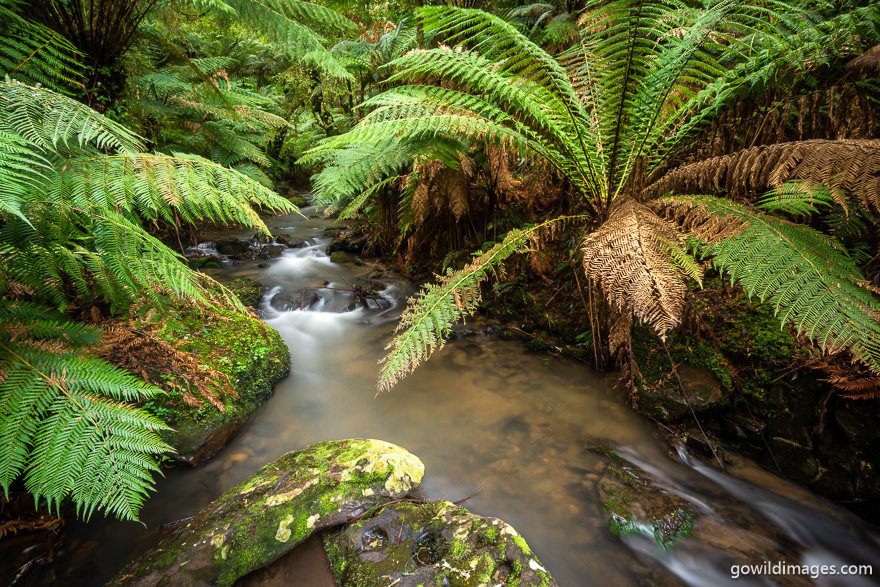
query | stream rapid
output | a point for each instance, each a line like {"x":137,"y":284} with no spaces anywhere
{"x":482,"y":413}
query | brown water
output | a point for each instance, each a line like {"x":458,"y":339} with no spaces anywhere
{"x":483,"y":413}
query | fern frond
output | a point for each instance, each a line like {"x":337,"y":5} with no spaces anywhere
{"x":425,"y":324}
{"x":844,"y":166}
{"x":58,"y":124}
{"x":807,"y":276}
{"x":33,"y":53}
{"x":61,"y":423}
{"x":639,"y":260}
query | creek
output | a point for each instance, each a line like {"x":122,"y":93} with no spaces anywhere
{"x":482,"y":413}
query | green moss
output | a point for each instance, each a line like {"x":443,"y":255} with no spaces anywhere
{"x":252,"y":355}
{"x":247,"y":290}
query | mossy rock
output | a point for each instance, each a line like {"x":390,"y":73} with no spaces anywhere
{"x":298,"y":201}
{"x":247,"y":290}
{"x":249,"y":353}
{"x":634,"y":506}
{"x":439,"y":543}
{"x":258,"y":521}
{"x":337,"y":257}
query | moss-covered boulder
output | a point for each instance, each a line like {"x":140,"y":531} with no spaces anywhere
{"x":248,"y":291}
{"x":634,"y":506}
{"x":438,"y":543}
{"x":257,"y":522}
{"x":243,"y":358}
{"x":298,"y":201}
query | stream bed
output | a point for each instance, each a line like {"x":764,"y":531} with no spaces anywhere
{"x":482,"y":413}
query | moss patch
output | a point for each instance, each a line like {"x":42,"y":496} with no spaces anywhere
{"x":248,"y":290}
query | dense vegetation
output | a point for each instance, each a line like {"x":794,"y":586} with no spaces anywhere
{"x":636,"y":144}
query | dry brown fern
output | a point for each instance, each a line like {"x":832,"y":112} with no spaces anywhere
{"x":844,"y":166}
{"x":853,"y":380}
{"x":144,"y":354}
{"x":440,"y":188}
{"x":636,"y":257}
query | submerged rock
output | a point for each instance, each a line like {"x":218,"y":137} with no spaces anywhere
{"x":635,"y":506}
{"x":639,"y":505}
{"x":438,"y":543}
{"x":257,"y":522}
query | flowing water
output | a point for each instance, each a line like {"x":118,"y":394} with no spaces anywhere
{"x":483,"y":413}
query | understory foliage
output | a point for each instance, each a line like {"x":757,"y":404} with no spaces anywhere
{"x":76,"y":195}
{"x":631,"y":116}
{"x":66,"y":420}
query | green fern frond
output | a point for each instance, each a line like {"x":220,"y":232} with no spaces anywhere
{"x":62,"y":425}
{"x":34,"y":54}
{"x":59,"y":124}
{"x":807,"y":276}
{"x":425,"y":324}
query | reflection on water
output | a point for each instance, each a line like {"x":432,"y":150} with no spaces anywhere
{"x":481,"y":413}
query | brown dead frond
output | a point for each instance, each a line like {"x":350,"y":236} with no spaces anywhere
{"x":43,"y":522}
{"x":629,"y":256}
{"x":699,"y":222}
{"x":850,"y":379}
{"x":869,"y":60}
{"x":844,"y":166}
{"x":162,"y":364}
{"x":440,"y":188}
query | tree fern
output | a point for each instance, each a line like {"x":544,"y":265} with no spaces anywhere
{"x":614,"y":116}
{"x":64,"y":423}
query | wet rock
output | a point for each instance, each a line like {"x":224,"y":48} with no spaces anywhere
{"x":247,"y":290}
{"x":257,"y":522}
{"x":285,"y":301}
{"x":638,"y":504}
{"x":439,"y":543}
{"x":636,"y":507}
{"x":337,"y":257}
{"x":350,"y":241}
{"x":271,"y":251}
{"x":797,"y":462}
{"x":666,"y":403}
{"x":333,"y":232}
{"x":290,"y":241}
{"x":204,"y":262}
{"x":231,"y":246}
{"x":298,"y":201}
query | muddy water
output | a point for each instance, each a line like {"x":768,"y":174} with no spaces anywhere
{"x":482,"y":413}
